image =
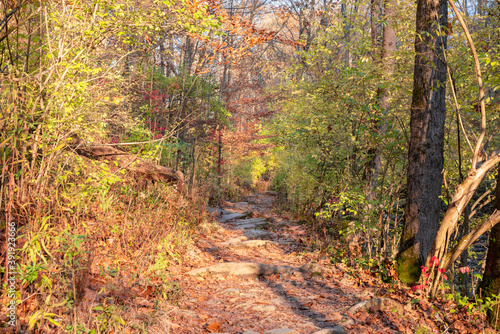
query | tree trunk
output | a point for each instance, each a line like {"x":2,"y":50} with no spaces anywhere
{"x":188,"y":56}
{"x":490,"y":284}
{"x":386,"y":61}
{"x":425,"y":153}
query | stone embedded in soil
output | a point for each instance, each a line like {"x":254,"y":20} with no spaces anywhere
{"x":242,"y":206}
{"x":231,"y":216}
{"x":377,"y":304}
{"x":347,"y":321}
{"x":253,"y":243}
{"x":314,"y":269}
{"x":218,"y":211}
{"x":265,"y":308}
{"x":333,"y":330}
{"x":365,"y":294}
{"x":244,"y":306}
{"x":243,"y":242}
{"x":234,"y":241}
{"x":242,"y":269}
{"x":282,"y":331}
{"x":257,"y":234}
{"x":252,"y":223}
{"x":250,"y":332}
{"x":254,"y":270}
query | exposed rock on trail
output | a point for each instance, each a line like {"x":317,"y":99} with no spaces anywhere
{"x":257,"y":275}
{"x":231,"y":216}
{"x":377,"y":304}
{"x":242,"y":269}
{"x":257,"y":234}
{"x":251,"y":223}
{"x":333,"y":330}
{"x":254,"y":270}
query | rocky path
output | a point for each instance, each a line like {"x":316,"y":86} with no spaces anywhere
{"x":251,"y":273}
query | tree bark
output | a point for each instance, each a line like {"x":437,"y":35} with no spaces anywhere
{"x":490,"y":284}
{"x":385,"y":58}
{"x":425,"y":153}
{"x":464,"y":192}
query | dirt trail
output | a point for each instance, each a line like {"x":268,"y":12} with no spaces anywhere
{"x":309,"y":295}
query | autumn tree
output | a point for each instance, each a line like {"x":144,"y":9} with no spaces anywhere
{"x":384,"y":42}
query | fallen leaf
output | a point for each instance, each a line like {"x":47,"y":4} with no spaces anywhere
{"x":459,"y":327}
{"x":147,"y":291}
{"x":173,"y":325}
{"x":361,"y":316}
{"x":214,"y":327}
{"x":144,"y":302}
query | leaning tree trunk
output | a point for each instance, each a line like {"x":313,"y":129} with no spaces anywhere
{"x":141,"y":169}
{"x":490,"y":284}
{"x":425,"y":153}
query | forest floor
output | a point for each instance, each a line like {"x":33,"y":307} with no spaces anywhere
{"x":278,"y":284}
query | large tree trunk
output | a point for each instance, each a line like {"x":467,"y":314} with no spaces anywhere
{"x":490,"y":284}
{"x":425,"y":154}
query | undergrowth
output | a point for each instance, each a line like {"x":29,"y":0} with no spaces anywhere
{"x":95,"y":256}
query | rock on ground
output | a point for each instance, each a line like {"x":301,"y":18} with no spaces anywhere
{"x":218,"y":211}
{"x":377,"y":304}
{"x":257,"y":234}
{"x":254,"y":270}
{"x":234,"y":241}
{"x":242,"y":206}
{"x":282,"y":331}
{"x":231,"y":216}
{"x":253,"y":243}
{"x":252,"y":223}
{"x":333,"y":330}
{"x":314,"y":269}
{"x":265,"y":308}
{"x":242,"y":269}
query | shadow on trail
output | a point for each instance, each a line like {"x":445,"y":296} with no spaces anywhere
{"x":291,"y":289}
{"x":301,"y":306}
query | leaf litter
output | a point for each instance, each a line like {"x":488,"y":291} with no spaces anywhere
{"x":300,"y":300}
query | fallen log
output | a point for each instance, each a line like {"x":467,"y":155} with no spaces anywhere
{"x":137,"y":166}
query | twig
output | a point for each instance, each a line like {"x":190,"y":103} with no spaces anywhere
{"x":479,"y":79}
{"x":7,"y":17}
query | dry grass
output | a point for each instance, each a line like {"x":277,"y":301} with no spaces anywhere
{"x":95,"y":253}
